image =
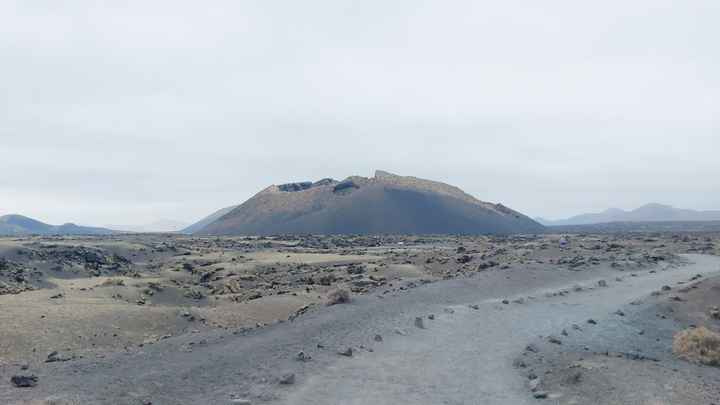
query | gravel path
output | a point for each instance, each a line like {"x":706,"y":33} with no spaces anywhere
{"x":463,"y":356}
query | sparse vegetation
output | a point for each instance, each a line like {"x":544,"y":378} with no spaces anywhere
{"x":339,"y":296}
{"x":699,"y":345}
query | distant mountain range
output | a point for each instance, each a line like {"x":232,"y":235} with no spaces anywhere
{"x":383,"y":204}
{"x":16,"y":225}
{"x":646,"y":213}
{"x":163,"y":225}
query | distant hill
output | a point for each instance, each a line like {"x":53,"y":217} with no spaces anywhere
{"x":16,"y":225}
{"x":162,"y":225}
{"x":386,"y":203}
{"x":207,"y":220}
{"x":646,"y":213}
{"x":639,"y":227}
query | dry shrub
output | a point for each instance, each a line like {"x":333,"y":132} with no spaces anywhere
{"x":338,"y":296}
{"x":699,"y":344}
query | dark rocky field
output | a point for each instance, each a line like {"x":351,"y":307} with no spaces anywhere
{"x":80,"y":300}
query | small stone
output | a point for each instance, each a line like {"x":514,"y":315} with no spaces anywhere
{"x":419,"y":323}
{"x":287,"y":379}
{"x":540,"y":395}
{"x":519,"y":363}
{"x":602,"y":283}
{"x":431,"y":317}
{"x":347,"y":352}
{"x":378,"y":338}
{"x":56,"y":357}
{"x":592,"y":322}
{"x":302,"y":356}
{"x":554,"y":340}
{"x":24,"y":381}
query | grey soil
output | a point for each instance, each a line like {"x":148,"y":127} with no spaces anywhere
{"x":463,"y":356}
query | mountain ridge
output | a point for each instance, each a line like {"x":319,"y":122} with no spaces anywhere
{"x":651,"y":212}
{"x":16,"y":225}
{"x":385,"y":203}
{"x":202,"y":223}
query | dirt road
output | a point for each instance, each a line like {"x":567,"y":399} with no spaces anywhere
{"x":462,"y":356}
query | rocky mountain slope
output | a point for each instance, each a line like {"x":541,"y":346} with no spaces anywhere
{"x":383,"y":204}
{"x":20,"y":225}
{"x":199,"y":225}
{"x":646,"y":213}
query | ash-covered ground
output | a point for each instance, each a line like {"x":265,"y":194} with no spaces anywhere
{"x":65,"y":299}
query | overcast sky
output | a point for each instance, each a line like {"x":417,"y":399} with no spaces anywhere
{"x":138,"y":110}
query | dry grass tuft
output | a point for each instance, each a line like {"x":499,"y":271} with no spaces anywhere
{"x":338,"y":296}
{"x":699,"y":345}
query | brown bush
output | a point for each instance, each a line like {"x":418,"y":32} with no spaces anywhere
{"x":699,"y":345}
{"x":338,"y":296}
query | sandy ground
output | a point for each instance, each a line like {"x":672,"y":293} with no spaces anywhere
{"x":629,"y":359}
{"x":140,"y":333}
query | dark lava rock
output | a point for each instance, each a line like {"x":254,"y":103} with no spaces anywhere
{"x":464,"y":259}
{"x":554,"y":340}
{"x":540,"y":395}
{"x":287,"y":379}
{"x":24,"y":381}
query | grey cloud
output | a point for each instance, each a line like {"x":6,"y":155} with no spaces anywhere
{"x":115,"y":112}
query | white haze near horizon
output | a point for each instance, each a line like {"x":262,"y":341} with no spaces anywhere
{"x":126,"y":112}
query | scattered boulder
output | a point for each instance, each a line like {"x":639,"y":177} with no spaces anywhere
{"x":554,"y":340}
{"x":287,"y":379}
{"x":540,"y":395}
{"x":55,"y":357}
{"x":194,"y":293}
{"x":464,"y":259}
{"x":487,"y":265}
{"x":532,"y":348}
{"x":24,"y":381}
{"x":302,"y":356}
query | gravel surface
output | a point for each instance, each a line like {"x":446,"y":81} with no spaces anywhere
{"x":462,"y":356}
